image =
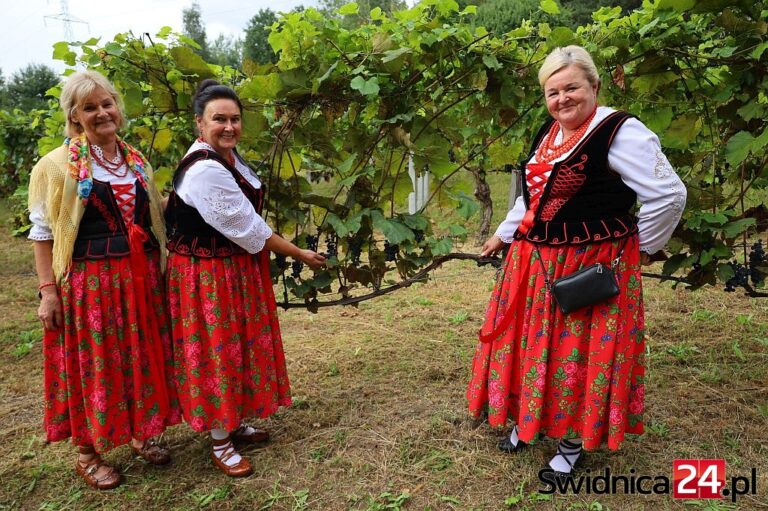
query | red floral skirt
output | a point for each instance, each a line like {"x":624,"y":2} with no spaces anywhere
{"x":578,"y":375}
{"x":108,"y":375}
{"x":228,"y":353}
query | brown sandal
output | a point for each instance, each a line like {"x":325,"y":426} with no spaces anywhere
{"x":87,"y":470}
{"x":152,"y":452}
{"x":242,"y":469}
{"x":256,"y":436}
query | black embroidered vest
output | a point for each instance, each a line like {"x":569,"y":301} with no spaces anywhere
{"x":188,"y":232}
{"x":102,"y":232}
{"x":584,"y":200}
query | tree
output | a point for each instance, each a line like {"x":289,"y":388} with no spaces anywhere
{"x":26,"y":88}
{"x":256,"y":46}
{"x":3,"y":92}
{"x":330,"y":8}
{"x":580,"y":11}
{"x":226,"y":51}
{"x":502,"y":16}
{"x":194,"y":29}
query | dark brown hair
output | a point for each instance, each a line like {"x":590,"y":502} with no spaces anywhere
{"x":210,"y":89}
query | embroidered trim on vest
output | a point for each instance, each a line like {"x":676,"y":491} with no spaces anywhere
{"x":572,"y":188}
{"x":105,"y":212}
{"x":102,"y":232}
{"x":192,"y":236}
{"x":567,"y":182}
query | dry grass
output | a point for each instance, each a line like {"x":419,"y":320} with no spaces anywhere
{"x":379,"y":419}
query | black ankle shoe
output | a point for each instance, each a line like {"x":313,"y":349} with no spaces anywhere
{"x":505,"y":444}
{"x":562,"y":476}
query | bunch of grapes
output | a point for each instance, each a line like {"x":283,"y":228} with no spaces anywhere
{"x":719,"y":178}
{"x":355,"y":249}
{"x":332,"y":245}
{"x":719,"y":175}
{"x":312,"y":242}
{"x":756,"y":258}
{"x":390,"y":251}
{"x":740,"y":277}
{"x":296,"y":267}
{"x":281,"y":261}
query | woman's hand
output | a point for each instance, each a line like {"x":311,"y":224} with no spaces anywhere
{"x":645,"y":259}
{"x":280,"y":245}
{"x":311,"y":259}
{"x":50,"y":311}
{"x":491,"y":246}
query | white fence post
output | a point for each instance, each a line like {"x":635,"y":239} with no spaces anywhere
{"x":418,"y":197}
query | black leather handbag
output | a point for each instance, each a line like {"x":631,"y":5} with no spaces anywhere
{"x":588,"y":286}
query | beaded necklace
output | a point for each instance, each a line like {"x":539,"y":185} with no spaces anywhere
{"x":112,"y":166}
{"x":536,"y":173}
{"x":548,"y":152}
{"x":80,"y":164}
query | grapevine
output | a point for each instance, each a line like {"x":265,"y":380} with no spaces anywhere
{"x":334,"y":125}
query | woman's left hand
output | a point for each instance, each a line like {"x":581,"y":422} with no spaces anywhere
{"x":645,"y":259}
{"x":492,"y":246}
{"x":312,"y":259}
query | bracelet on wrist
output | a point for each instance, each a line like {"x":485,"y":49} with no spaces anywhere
{"x":43,"y":286}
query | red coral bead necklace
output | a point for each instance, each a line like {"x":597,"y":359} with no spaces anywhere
{"x":548,"y":152}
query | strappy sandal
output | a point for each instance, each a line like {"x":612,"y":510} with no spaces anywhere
{"x":563,"y":476}
{"x":87,"y":470}
{"x":507,"y":446}
{"x":255,"y":436}
{"x":241,"y":469}
{"x":152,"y":452}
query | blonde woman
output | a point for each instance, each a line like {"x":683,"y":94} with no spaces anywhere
{"x":577,"y":376}
{"x":97,"y":231}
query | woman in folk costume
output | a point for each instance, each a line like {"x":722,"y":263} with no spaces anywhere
{"x":228,"y":352}
{"x":578,"y":377}
{"x":97,"y":231}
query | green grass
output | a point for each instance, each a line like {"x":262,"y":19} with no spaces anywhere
{"x":379,"y":418}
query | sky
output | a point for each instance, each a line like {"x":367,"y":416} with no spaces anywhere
{"x":28,"y":36}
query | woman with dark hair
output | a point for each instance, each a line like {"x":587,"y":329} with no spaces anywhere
{"x":577,"y":376}
{"x":228,"y":354}
{"x":97,"y":232}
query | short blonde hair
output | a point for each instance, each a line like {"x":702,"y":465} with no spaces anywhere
{"x":562,"y":57}
{"x":76,"y":89}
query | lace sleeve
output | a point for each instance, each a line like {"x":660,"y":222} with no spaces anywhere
{"x":636,"y":155}
{"x":507,"y":228}
{"x":40,"y":230}
{"x":211,"y":189}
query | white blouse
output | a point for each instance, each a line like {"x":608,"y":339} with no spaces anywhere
{"x":636,"y":156}
{"x":41,"y":231}
{"x":209,"y":188}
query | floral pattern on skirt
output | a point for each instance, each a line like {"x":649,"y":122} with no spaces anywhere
{"x":579,"y":375}
{"x":228,"y":353}
{"x":108,"y":375}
